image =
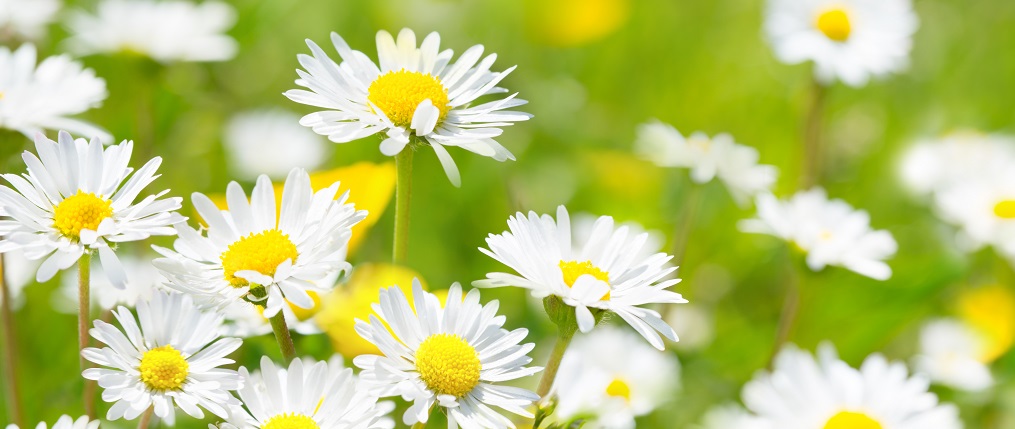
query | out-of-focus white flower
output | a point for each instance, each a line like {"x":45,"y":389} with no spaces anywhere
{"x":33,"y":99}
{"x":26,"y":19}
{"x":984,"y":210}
{"x":831,"y":232}
{"x":166,"y":31}
{"x":142,"y":280}
{"x":733,"y":417}
{"x":612,"y":376}
{"x":66,"y":422}
{"x":848,"y":40}
{"x":18,"y":272}
{"x":707,"y":158}
{"x":802,"y":392}
{"x":931,"y":166}
{"x":271,"y":142}
{"x":695,"y":325}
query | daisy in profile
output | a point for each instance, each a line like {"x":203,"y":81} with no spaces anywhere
{"x":415,"y":94}
{"x":169,"y":356}
{"x":253,"y":141}
{"x":454,"y":357}
{"x":66,"y":422}
{"x":164,"y":30}
{"x":826,"y":393}
{"x":34,"y":97}
{"x":848,"y":40}
{"x":707,"y":158}
{"x":606,"y":388}
{"x":830,"y":232}
{"x":27,"y":19}
{"x":602,"y":274}
{"x":307,"y":394}
{"x":79,"y":198}
{"x":257,"y":253}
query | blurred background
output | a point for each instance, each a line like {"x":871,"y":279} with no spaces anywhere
{"x":593,"y":70}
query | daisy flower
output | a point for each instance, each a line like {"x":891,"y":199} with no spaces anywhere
{"x":27,"y":19}
{"x":931,"y":166}
{"x":606,"y":386}
{"x":308,"y":394}
{"x":707,"y":158}
{"x":169,"y":356}
{"x":67,"y":422}
{"x":804,"y":392}
{"x":983,"y":208}
{"x":415,"y":92}
{"x":77,"y":198}
{"x":18,"y":272}
{"x":166,"y":31}
{"x":254,"y":142}
{"x":604,"y":272}
{"x":848,"y":40}
{"x":260,"y":254}
{"x":244,"y":320}
{"x":830,"y":232}
{"x":453,"y":356}
{"x":34,"y":97}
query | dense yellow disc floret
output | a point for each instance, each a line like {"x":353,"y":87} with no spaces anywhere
{"x":163,"y":368}
{"x":398,"y":93}
{"x":290,"y":421}
{"x":80,"y":211}
{"x":852,"y":420}
{"x":261,"y":252}
{"x":448,"y":365}
{"x":574,"y":269}
{"x":835,"y":24}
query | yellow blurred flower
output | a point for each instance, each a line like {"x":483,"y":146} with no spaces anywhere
{"x":990,"y":310}
{"x":577,"y":22}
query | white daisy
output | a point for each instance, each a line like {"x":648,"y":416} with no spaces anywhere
{"x":35,"y":98}
{"x":848,"y":40}
{"x":271,"y":142}
{"x":931,"y":166}
{"x":166,"y":31}
{"x":26,"y":19}
{"x":249,"y":253}
{"x":244,"y":320}
{"x":807,"y":393}
{"x":414,"y":92}
{"x":453,"y":356}
{"x":307,"y":395}
{"x":170,"y":356}
{"x":142,"y":280}
{"x":604,"y":272}
{"x":830,"y":232}
{"x":67,"y":422}
{"x":77,"y":198}
{"x":950,"y":354}
{"x":18,"y":272}
{"x":612,"y":376}
{"x":707,"y":158}
{"x":984,"y":210}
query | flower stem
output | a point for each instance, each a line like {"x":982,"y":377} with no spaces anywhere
{"x":790,"y":311}
{"x":419,"y":425}
{"x":810,"y":171}
{"x":564,"y":336}
{"x":84,"y":303}
{"x":685,"y":223}
{"x":285,"y":341}
{"x":10,"y":373}
{"x":146,"y":418}
{"x":403,"y":192}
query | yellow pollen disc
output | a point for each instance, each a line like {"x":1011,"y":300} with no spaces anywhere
{"x":574,"y":269}
{"x":835,"y":24}
{"x":619,"y":389}
{"x":851,"y":420}
{"x":399,"y":93}
{"x":163,"y":368}
{"x":1005,"y":209}
{"x":261,"y":252}
{"x":448,"y":365}
{"x":290,"y":421}
{"x":80,"y":211}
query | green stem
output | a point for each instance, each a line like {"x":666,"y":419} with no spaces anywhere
{"x":564,"y":336}
{"x":403,"y":192}
{"x":790,"y":311}
{"x":10,"y":359}
{"x":285,"y":341}
{"x":84,"y":303}
{"x":419,"y":425}
{"x":146,"y":418}
{"x":810,"y":173}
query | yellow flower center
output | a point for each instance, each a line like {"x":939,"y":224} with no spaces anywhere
{"x":448,"y":365}
{"x":163,"y":368}
{"x":290,"y":421}
{"x":851,"y":420}
{"x":1005,"y":209}
{"x":398,"y":94}
{"x":620,"y":389}
{"x":574,"y":269}
{"x":261,"y":252}
{"x":990,"y":311}
{"x":80,"y":211}
{"x":835,"y":24}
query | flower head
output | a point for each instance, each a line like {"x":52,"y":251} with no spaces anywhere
{"x":415,"y":92}
{"x":271,"y":142}
{"x":27,"y":19}
{"x":606,"y":272}
{"x":67,"y":422}
{"x":78,"y":197}
{"x":453,"y":356}
{"x":169,"y":356}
